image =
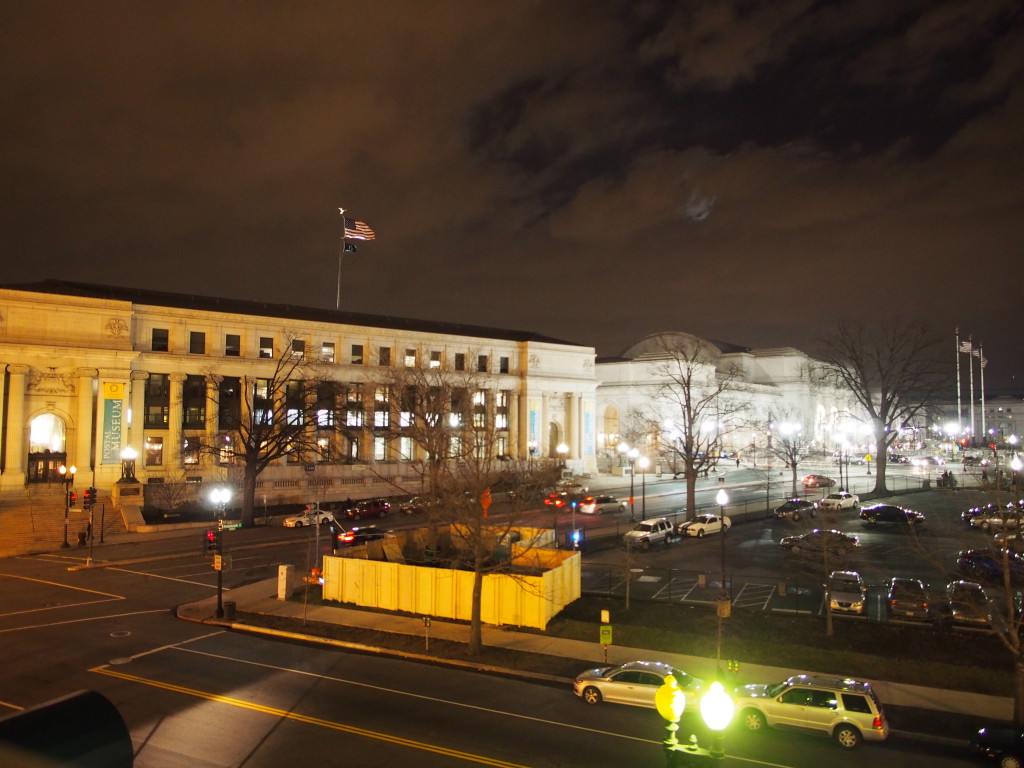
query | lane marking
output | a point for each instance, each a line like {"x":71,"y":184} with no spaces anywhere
{"x":58,"y":584}
{"x":166,"y":578}
{"x":309,"y":720}
{"x":80,"y":621}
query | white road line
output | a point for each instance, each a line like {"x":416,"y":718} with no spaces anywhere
{"x":80,"y":621}
{"x":167,"y":578}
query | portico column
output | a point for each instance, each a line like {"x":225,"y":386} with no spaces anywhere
{"x":14,"y":440}
{"x":572,"y":425}
{"x":136,"y":433}
{"x":212,"y":419}
{"x":174,"y":422}
{"x":515,"y":450}
{"x":544,"y":438}
{"x":85,"y":439}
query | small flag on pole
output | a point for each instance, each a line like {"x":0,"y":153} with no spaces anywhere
{"x":357,"y":230}
{"x":966,"y":348}
{"x":350,"y":247}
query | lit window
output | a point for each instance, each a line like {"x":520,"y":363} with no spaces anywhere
{"x":435,"y":359}
{"x":410,"y":358}
{"x":266,"y":346}
{"x":327,"y":352}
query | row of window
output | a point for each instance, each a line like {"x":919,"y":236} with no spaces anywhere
{"x":197,"y":345}
{"x":383,"y":449}
{"x":335,"y":403}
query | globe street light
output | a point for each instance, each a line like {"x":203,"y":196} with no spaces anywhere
{"x":724,"y":599}
{"x":644,"y":463}
{"x":716,"y":709}
{"x":220,"y":498}
{"x":67,"y":475}
{"x":562,"y":450}
{"x":633,"y":454}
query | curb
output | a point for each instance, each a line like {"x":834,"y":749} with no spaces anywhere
{"x":421,"y":657}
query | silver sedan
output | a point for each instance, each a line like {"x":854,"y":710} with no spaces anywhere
{"x":635,"y":682}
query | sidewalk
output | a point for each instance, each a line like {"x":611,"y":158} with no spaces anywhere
{"x":261,"y":598}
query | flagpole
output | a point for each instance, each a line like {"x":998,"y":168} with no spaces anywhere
{"x":970,"y":363}
{"x":959,"y":406}
{"x":341,"y":253}
{"x":981,"y":374}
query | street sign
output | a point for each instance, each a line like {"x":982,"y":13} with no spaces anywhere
{"x":234,"y":525}
{"x":218,"y":561}
{"x":606,"y":635}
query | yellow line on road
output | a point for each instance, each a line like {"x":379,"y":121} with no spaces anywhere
{"x":469,"y":757}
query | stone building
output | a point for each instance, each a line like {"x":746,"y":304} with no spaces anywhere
{"x":91,"y":370}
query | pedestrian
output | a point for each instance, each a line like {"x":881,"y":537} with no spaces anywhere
{"x":984,"y":475}
{"x":737,"y":462}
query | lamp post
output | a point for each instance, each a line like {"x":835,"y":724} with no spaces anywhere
{"x":128,"y":456}
{"x":724,"y":599}
{"x":644,"y":463}
{"x":220,"y":498}
{"x":67,"y":475}
{"x":716,"y":709}
{"x":532,"y":448}
{"x":562,"y":450}
{"x":633,"y":454}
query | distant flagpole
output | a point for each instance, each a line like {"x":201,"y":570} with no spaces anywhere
{"x":981,"y":363}
{"x":341,"y":253}
{"x":355,"y":230}
{"x":970,"y":363}
{"x":959,"y":406}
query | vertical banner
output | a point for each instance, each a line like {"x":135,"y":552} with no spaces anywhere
{"x":534,"y":425}
{"x":588,"y":429}
{"x":113,"y":410}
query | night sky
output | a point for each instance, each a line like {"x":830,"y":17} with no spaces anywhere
{"x":750,"y":172}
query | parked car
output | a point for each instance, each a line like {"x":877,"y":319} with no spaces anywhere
{"x":847,"y":592}
{"x":1014,"y":542}
{"x":907,"y":598}
{"x":820,"y":540}
{"x":369,"y":508}
{"x":845,"y":709}
{"x":362,"y":535}
{"x":704,"y":524}
{"x":635,"y":682}
{"x":655,"y":531}
{"x":794,"y":509}
{"x":898,"y":458}
{"x":1001,"y":743}
{"x":988,"y":510}
{"x":556,"y":499}
{"x":968,"y":604}
{"x":927,"y":461}
{"x":598,"y":505}
{"x":839,"y":501}
{"x":414,"y":505}
{"x":311,"y":515}
{"x":818,"y":481}
{"x":987,"y":565}
{"x":890,"y":514}
{"x":1007,"y":519}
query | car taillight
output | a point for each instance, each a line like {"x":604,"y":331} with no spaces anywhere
{"x":877,"y":723}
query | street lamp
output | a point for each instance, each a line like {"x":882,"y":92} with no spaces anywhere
{"x":532,"y":448}
{"x":724,"y":599}
{"x":128,"y":456}
{"x":632,"y":454}
{"x":562,"y":450}
{"x":716,"y":709}
{"x":67,"y":474}
{"x":644,"y":463}
{"x":220,"y":498}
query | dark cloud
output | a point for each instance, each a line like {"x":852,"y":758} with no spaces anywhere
{"x":745,"y":171}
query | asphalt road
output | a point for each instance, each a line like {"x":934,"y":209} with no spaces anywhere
{"x":197,"y":696}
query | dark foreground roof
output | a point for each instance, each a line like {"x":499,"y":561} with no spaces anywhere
{"x":262,"y":309}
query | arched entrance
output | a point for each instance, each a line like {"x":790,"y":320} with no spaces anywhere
{"x":47,"y":448}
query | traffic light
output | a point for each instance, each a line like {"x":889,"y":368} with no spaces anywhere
{"x":211,"y":540}
{"x":72,"y":498}
{"x":89,"y":499}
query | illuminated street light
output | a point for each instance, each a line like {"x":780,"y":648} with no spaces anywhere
{"x":562,"y":450}
{"x":716,"y":709}
{"x":644,"y":463}
{"x":67,"y":475}
{"x":220,"y":498}
{"x":633,"y":454}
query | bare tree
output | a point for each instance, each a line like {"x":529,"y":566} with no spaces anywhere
{"x":788,"y":441}
{"x":267,"y":416}
{"x":452,"y":426}
{"x":701,"y":403}
{"x":893,"y":374}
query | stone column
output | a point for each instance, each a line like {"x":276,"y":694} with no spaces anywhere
{"x":212,"y":419}
{"x":544,"y":448}
{"x":175,"y":417}
{"x":515,"y":448}
{"x":85,"y":438}
{"x":572,"y":425}
{"x":14,"y":440}
{"x":137,"y":432}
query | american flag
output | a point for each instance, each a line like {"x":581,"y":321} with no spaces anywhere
{"x":966,"y":347}
{"x":357,"y":230}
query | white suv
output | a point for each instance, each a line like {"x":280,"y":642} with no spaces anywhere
{"x":845,"y":709}
{"x":654,"y":531}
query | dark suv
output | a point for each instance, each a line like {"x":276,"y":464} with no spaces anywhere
{"x":796,"y":508}
{"x":369,"y":508}
{"x":890,"y":514}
